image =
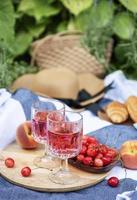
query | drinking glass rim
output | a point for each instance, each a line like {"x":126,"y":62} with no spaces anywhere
{"x":64,"y":121}
{"x":45,"y":98}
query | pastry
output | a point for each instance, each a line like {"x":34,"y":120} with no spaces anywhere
{"x":117,"y":112}
{"x":131,"y":104}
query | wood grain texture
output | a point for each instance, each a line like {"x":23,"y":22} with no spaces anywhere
{"x":39,"y":180}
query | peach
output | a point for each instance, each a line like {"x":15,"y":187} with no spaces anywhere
{"x":24,"y":136}
{"x":128,"y":154}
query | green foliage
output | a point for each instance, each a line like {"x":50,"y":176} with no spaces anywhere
{"x":23,"y":21}
{"x":130,"y":4}
{"x":124,"y":25}
{"x":10,"y":70}
{"x":7,"y":21}
{"x":77,"y":6}
{"x":102,"y":13}
{"x":38,"y":9}
{"x":96,"y":40}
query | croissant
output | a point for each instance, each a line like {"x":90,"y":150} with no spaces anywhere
{"x":117,"y":112}
{"x":131,"y":104}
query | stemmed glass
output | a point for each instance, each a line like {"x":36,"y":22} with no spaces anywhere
{"x":39,"y":112}
{"x":64,"y":139}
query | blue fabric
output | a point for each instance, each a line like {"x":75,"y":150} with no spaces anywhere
{"x":27,"y":98}
{"x":98,"y":192}
{"x":113,"y":135}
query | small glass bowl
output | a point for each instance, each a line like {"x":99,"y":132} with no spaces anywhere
{"x":93,"y":169}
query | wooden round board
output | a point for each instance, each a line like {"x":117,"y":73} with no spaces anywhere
{"x":39,"y":180}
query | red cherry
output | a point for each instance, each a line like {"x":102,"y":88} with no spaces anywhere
{"x":99,"y":155}
{"x":26,"y":171}
{"x":93,"y":145}
{"x":9,"y":162}
{"x":83,"y":150}
{"x":113,"y":181}
{"x":106,"y":160}
{"x":92,"y":152}
{"x":112,"y":152}
{"x":98,"y":162}
{"x":80,"y":157}
{"x":103,"y":149}
{"x":92,"y":140}
{"x":87,"y":160}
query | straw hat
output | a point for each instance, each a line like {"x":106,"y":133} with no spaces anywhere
{"x":60,"y":83}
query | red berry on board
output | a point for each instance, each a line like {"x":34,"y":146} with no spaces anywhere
{"x":26,"y":171}
{"x":98,"y":162}
{"x":87,"y":160}
{"x":113,"y":181}
{"x":80,"y":157}
{"x":9,"y":162}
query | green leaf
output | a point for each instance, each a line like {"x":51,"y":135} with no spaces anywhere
{"x":62,"y":26}
{"x":130,"y":4}
{"x":23,"y":39}
{"x":22,"y":42}
{"x":38,"y":8}
{"x":102,"y":13}
{"x":7,"y":21}
{"x":36,"y":30}
{"x":77,"y":6}
{"x":80,"y":22}
{"x":123,"y":25}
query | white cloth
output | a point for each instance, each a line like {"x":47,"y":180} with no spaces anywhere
{"x":11,"y":115}
{"x":123,"y":87}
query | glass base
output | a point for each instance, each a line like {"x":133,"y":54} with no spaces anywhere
{"x":47,"y":162}
{"x":63,"y":177}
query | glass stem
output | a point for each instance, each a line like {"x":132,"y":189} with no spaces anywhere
{"x":64,"y":165}
{"x":46,"y":150}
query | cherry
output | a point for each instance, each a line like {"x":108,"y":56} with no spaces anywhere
{"x":113,"y":181}
{"x":80,"y":157}
{"x":112,"y":153}
{"x":83,"y":150}
{"x":103,"y":149}
{"x":92,"y":140}
{"x":99,"y":155}
{"x":92,"y":152}
{"x":87,"y":160}
{"x":9,"y":162}
{"x":98,"y":162}
{"x":106,"y":160}
{"x":26,"y":171}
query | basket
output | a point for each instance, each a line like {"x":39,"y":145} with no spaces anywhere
{"x":65,"y":50}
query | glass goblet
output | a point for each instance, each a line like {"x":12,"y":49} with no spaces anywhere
{"x":64,"y":139}
{"x":39,"y":112}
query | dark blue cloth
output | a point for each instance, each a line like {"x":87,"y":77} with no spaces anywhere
{"x":98,"y":192}
{"x":27,"y":98}
{"x":113,"y":135}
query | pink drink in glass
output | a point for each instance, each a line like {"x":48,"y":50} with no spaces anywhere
{"x":39,"y":126}
{"x":64,"y":143}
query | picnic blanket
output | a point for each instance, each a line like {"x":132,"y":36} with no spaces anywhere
{"x":20,"y":103}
